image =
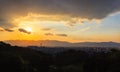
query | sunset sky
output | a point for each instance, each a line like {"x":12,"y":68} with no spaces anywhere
{"x":63,"y":20}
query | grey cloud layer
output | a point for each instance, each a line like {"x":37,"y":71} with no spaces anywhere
{"x":46,"y":29}
{"x":51,"y":34}
{"x":1,"y":30}
{"x":24,"y":31}
{"x":91,"y":9}
{"x":64,"y":35}
{"x":9,"y":30}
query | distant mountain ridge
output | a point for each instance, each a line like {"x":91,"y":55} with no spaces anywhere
{"x":55,"y":43}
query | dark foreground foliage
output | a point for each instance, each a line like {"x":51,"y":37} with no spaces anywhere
{"x":19,"y":59}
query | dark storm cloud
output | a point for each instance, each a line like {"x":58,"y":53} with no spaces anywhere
{"x":91,"y":9}
{"x":49,"y":34}
{"x":9,"y":30}
{"x":24,"y":31}
{"x":64,"y":35}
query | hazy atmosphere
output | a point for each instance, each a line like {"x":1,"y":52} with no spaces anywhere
{"x":62,"y":20}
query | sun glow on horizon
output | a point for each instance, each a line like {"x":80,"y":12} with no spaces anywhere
{"x":36,"y":26}
{"x":28,"y":29}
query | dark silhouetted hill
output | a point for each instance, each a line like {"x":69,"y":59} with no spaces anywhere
{"x":23,"y":59}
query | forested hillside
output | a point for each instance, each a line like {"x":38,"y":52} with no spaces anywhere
{"x":23,"y":59}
